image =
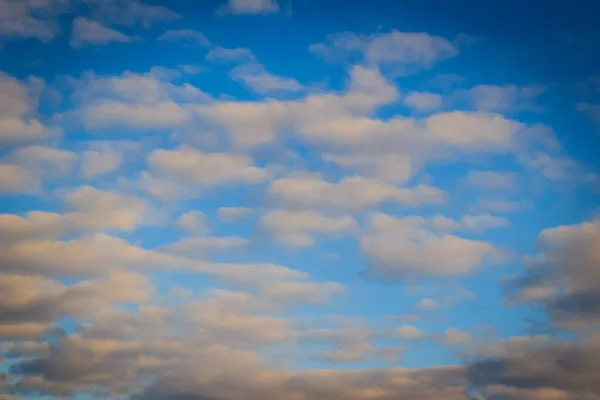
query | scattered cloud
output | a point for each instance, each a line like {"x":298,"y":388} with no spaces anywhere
{"x":91,"y":33}
{"x":250,"y":7}
{"x":186,"y":36}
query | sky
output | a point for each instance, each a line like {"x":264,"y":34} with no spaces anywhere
{"x":299,"y":200}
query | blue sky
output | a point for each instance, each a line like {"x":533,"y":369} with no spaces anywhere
{"x":298,"y":199}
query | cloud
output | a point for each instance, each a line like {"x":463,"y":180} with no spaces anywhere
{"x":192,"y":166}
{"x":129,"y":13}
{"x":143,"y":101}
{"x":250,"y":7}
{"x":427,"y":304}
{"x":400,"y":248}
{"x":91,"y":33}
{"x":409,"y":332}
{"x":559,"y":370}
{"x":296,"y":228}
{"x":221,"y":54}
{"x":195,"y":222}
{"x":564,"y":278}
{"x":96,"y":163}
{"x":31,"y":19}
{"x":257,"y":78}
{"x":203,"y":246}
{"x":16,"y":179}
{"x":404,"y":52}
{"x":231,"y":214}
{"x":185,"y":35}
{"x":423,"y":102}
{"x":352,"y":193}
{"x":591,"y":110}
{"x":507,"y":98}
{"x":18,"y":106}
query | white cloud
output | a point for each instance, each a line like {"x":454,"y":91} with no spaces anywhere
{"x":257,"y":78}
{"x":31,"y":18}
{"x":18,"y":106}
{"x":455,"y":336}
{"x":423,"y":102}
{"x":41,"y":160}
{"x":250,"y":7}
{"x":194,"y":222}
{"x":98,"y":210}
{"x":406,"y":52}
{"x":296,"y":228}
{"x":17,"y":180}
{"x":427,"y":304}
{"x":402,"y":248}
{"x":192,"y":166}
{"x":130,"y":13}
{"x":409,"y":332}
{"x":230,"y":214}
{"x":507,"y":98}
{"x":221,"y":54}
{"x":185,"y":35}
{"x":91,"y":33}
{"x":353,"y":193}
{"x":95,"y":163}
{"x":203,"y":246}
{"x":162,"y":115}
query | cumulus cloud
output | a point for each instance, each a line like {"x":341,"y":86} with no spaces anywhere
{"x":403,"y":248}
{"x":405,"y":52}
{"x":194,"y":221}
{"x":129,"y":13}
{"x":185,"y":35}
{"x":31,"y":19}
{"x":230,"y":214}
{"x":423,"y":102}
{"x":18,"y":112}
{"x":507,"y":98}
{"x":296,"y":228}
{"x":91,"y":33}
{"x":257,"y":78}
{"x":353,"y":193}
{"x":250,"y":7}
{"x":192,"y":166}
{"x":221,"y":54}
{"x":564,"y":278}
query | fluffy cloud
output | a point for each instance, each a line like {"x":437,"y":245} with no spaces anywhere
{"x":18,"y":107}
{"x":30,"y":18}
{"x":221,"y":54}
{"x":405,"y":52}
{"x":353,"y":193}
{"x":129,"y":13}
{"x":92,"y":33}
{"x":257,"y":78}
{"x":192,"y":166}
{"x":402,"y":248}
{"x":560,"y":370}
{"x":564,"y":278}
{"x":508,"y":98}
{"x":241,"y":7}
{"x":230,"y":214}
{"x":194,"y":221}
{"x":423,"y":102}
{"x":296,"y":228}
{"x":186,"y":35}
